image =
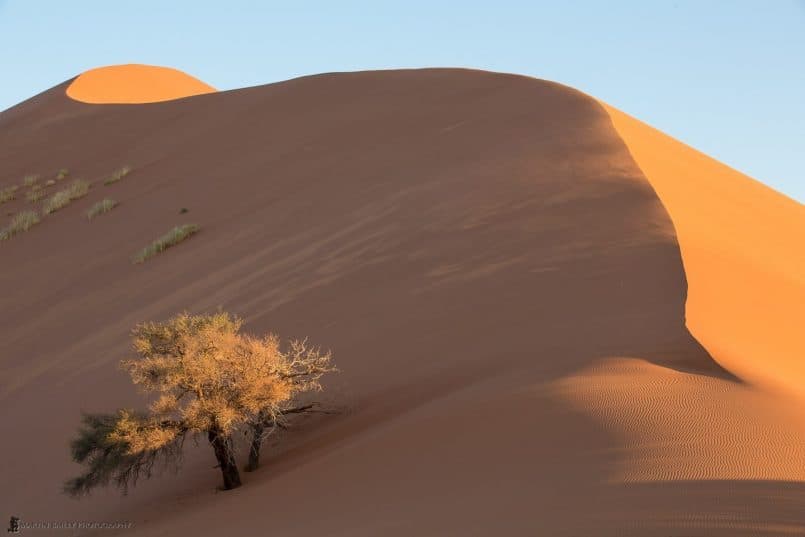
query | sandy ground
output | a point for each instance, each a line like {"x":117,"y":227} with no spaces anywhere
{"x":492,"y":263}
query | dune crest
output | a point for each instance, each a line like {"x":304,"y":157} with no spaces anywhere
{"x":134,"y":84}
{"x":741,"y":246}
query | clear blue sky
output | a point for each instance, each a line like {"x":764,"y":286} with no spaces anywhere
{"x":727,"y":77}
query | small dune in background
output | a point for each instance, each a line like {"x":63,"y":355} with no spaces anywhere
{"x":134,"y":83}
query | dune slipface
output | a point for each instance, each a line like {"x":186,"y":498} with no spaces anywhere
{"x":134,"y":83}
{"x":742,"y":246}
{"x":499,"y":280}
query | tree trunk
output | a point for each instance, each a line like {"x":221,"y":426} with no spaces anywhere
{"x":259,"y":427}
{"x":254,"y":450}
{"x":222,"y":446}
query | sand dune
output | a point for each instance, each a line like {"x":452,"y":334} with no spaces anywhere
{"x":492,"y":263}
{"x":134,"y":83}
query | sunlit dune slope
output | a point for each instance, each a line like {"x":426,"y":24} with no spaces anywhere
{"x":134,"y":83}
{"x":743,"y":248}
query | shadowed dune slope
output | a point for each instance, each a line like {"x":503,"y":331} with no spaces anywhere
{"x":134,"y":83}
{"x":501,"y":287}
{"x":743,"y":246}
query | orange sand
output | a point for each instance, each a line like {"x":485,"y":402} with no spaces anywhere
{"x":743,"y":248}
{"x":134,"y":83}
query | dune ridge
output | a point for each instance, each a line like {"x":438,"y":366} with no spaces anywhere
{"x":497,"y":276}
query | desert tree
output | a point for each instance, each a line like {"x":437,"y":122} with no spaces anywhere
{"x":205,"y":379}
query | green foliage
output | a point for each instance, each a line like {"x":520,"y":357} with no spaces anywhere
{"x":109,"y":458}
{"x":103,"y":206}
{"x":171,"y":238}
{"x":78,"y":189}
{"x":21,"y":222}
{"x":118,"y":175}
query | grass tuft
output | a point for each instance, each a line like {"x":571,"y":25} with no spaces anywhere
{"x":50,"y":182}
{"x":118,"y":175}
{"x":35,"y":194}
{"x":30,"y":180}
{"x":171,"y":238}
{"x":8,"y":193}
{"x":21,"y":222}
{"x":57,"y":201}
{"x":62,"y":198}
{"x":63,"y":173}
{"x":103,"y":206}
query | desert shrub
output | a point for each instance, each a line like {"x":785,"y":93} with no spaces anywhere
{"x":78,"y":189}
{"x":63,"y":173}
{"x":30,"y":180}
{"x":103,"y":206}
{"x":171,"y":238}
{"x":21,"y":222}
{"x":118,"y":175}
{"x":8,"y":193}
{"x":207,"y":380}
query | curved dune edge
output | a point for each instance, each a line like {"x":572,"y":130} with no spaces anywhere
{"x":134,"y":84}
{"x":742,"y":249}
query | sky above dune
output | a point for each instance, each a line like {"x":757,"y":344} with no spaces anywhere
{"x":727,"y":77}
